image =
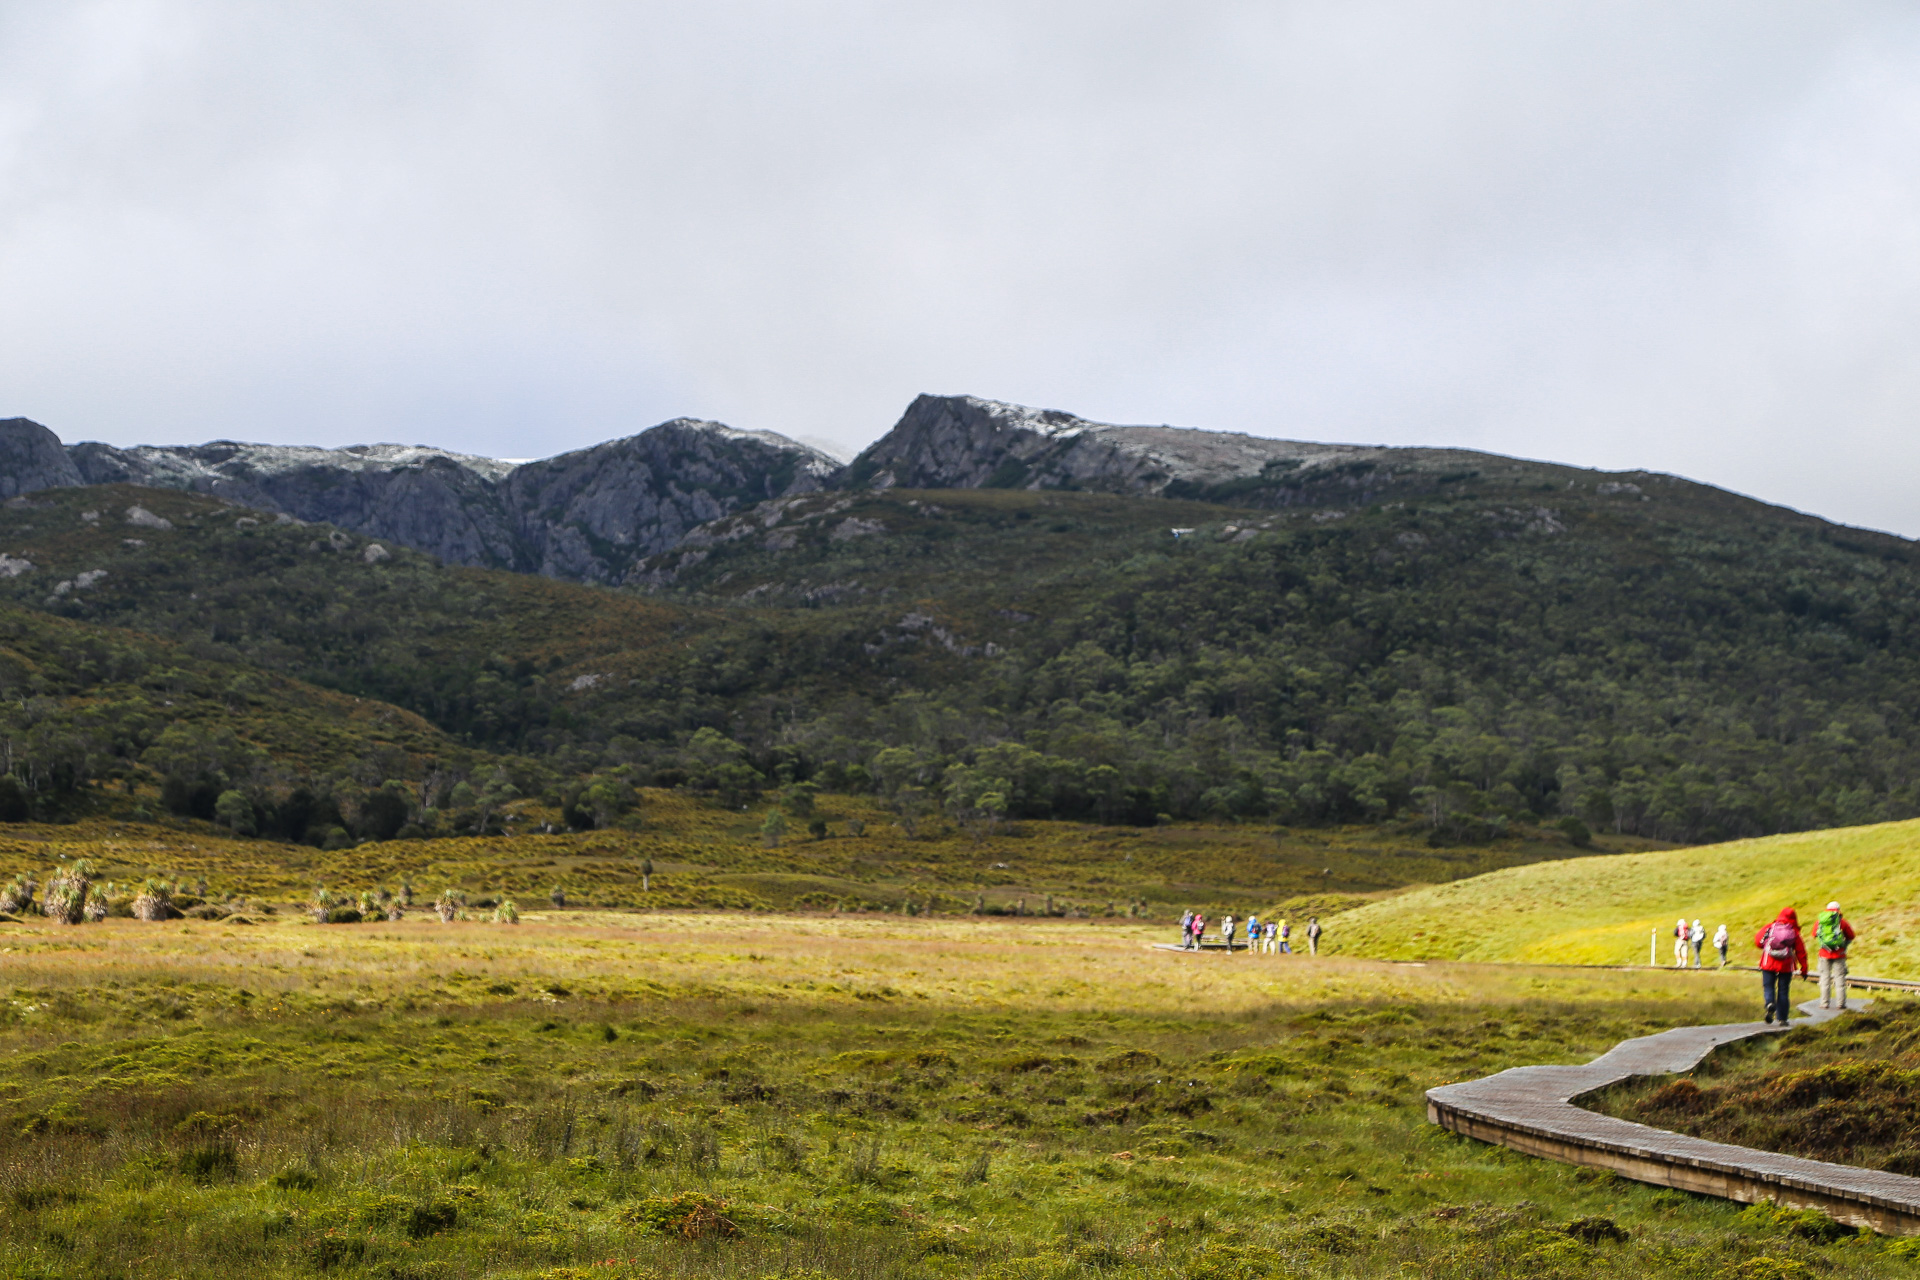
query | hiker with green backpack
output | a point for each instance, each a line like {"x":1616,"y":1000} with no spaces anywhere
{"x":1834,"y":936}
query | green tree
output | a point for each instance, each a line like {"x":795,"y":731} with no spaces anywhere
{"x":234,"y":810}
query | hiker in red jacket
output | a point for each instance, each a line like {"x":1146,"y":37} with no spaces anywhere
{"x":1782,"y":949}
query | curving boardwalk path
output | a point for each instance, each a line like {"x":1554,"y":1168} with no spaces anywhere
{"x":1530,"y":1109}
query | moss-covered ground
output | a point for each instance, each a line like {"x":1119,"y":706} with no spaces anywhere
{"x":621,"y":1094}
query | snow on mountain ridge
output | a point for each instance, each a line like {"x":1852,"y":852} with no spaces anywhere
{"x":585,"y":515}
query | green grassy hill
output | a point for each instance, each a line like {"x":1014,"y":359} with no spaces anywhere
{"x":1599,"y":910}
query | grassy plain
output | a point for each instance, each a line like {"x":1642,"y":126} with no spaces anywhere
{"x":1599,"y":910}
{"x":707,"y":856}
{"x":626,"y":1094}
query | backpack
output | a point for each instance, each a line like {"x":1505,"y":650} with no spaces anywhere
{"x":1830,"y":937}
{"x":1779,"y":941}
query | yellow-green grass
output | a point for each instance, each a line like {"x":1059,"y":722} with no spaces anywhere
{"x":1602,"y":910}
{"x":704,"y":855}
{"x":870,"y":1098}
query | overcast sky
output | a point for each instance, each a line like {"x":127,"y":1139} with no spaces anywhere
{"x":1678,"y":236}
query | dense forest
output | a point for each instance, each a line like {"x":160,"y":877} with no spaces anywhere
{"x":1648,"y":656}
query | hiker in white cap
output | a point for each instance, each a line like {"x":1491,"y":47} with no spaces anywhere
{"x":1720,"y":944}
{"x":1697,"y":938}
{"x":1680,"y":932}
{"x":1834,"y":936}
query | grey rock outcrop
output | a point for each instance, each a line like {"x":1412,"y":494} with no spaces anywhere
{"x":964,"y":442}
{"x":586,"y":516}
{"x":594,"y":514}
{"x":443,"y":503}
{"x":31,"y":458}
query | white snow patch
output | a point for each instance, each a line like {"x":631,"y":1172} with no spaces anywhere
{"x":13,"y":566}
{"x":580,"y":684}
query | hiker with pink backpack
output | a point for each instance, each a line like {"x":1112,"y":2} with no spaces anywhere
{"x":1782,"y":950}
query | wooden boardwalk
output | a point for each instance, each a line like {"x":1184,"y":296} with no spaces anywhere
{"x":1531,"y":1109}
{"x":1211,"y":944}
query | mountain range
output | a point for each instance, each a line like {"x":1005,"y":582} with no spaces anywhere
{"x":594,"y":514}
{"x":992,"y":612}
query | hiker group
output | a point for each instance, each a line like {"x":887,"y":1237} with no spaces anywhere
{"x":1274,"y":937}
{"x":1783,"y":949}
{"x":1689,"y":938}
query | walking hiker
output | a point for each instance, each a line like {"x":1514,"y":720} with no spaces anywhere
{"x":1226,"y":931}
{"x":1720,"y":942}
{"x":1834,"y":935}
{"x":1680,"y":944}
{"x":1196,"y":929}
{"x":1186,"y":927}
{"x":1253,"y":933}
{"x":1313,"y":935}
{"x":1272,"y":930}
{"x":1782,"y":949}
{"x":1286,"y":933}
{"x":1696,"y":937}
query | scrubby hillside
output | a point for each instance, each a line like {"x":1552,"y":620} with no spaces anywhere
{"x":1600,"y":910}
{"x":1665,"y":660}
{"x":96,"y":719}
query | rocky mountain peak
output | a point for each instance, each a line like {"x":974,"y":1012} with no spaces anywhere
{"x":585,"y":515}
{"x":966,"y":442}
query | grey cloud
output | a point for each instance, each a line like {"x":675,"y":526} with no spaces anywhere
{"x":1679,"y":237}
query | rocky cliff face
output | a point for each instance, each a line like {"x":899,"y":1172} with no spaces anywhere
{"x":946,"y":442}
{"x":31,"y":458}
{"x":443,"y":503}
{"x":588,"y":516}
{"x":594,"y":514}
{"x":585,"y":516}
